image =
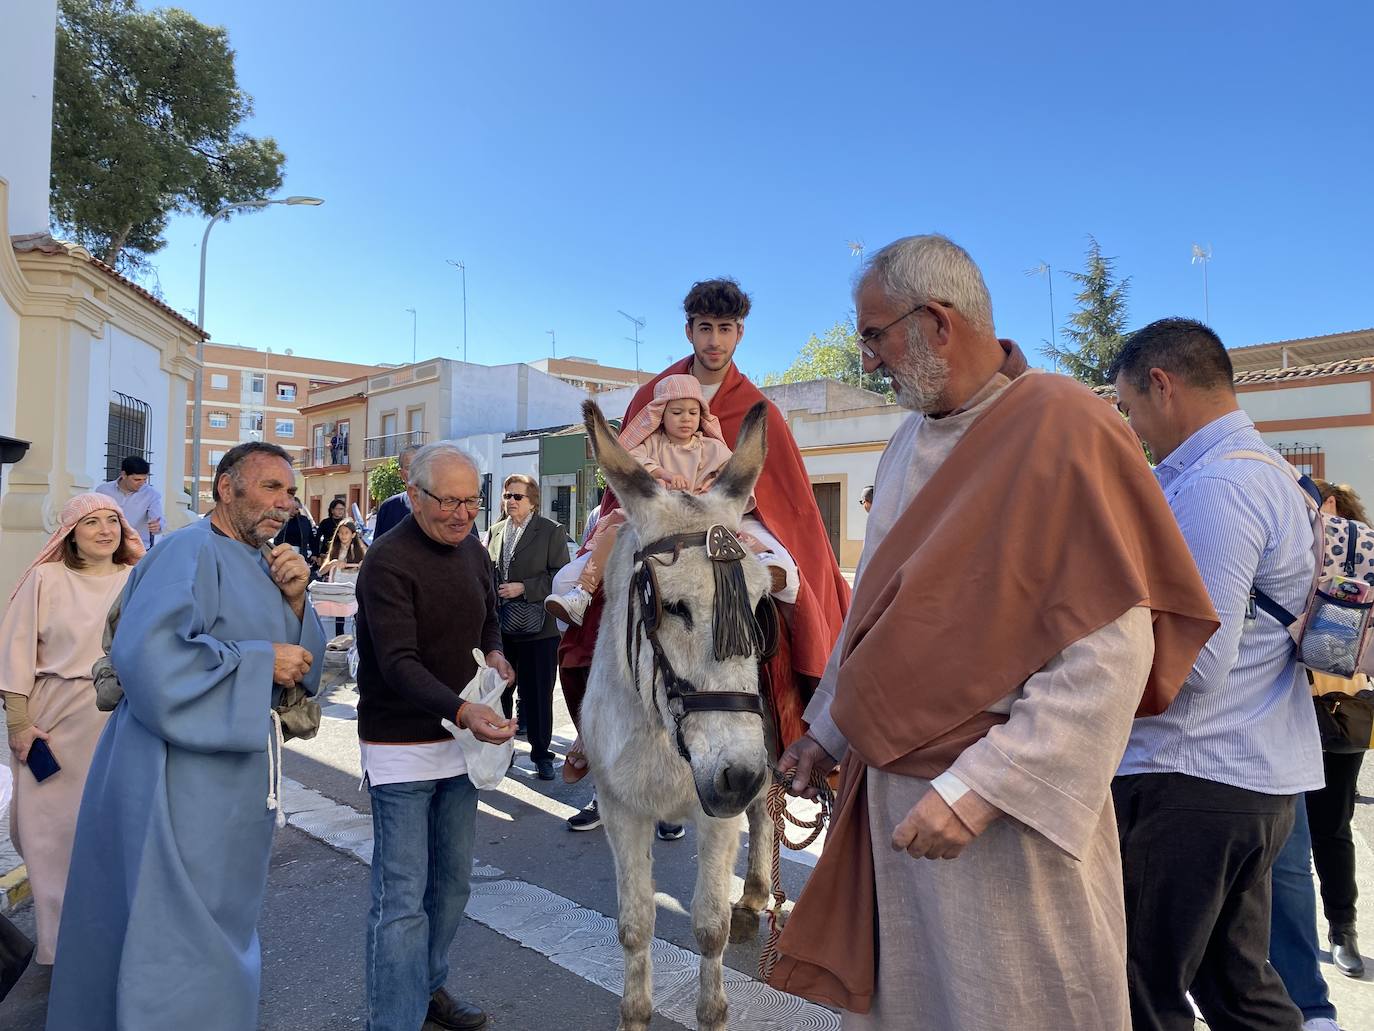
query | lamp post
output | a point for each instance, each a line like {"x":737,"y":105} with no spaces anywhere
{"x":413,"y":320}
{"x":464,"y":270}
{"x":638,"y":325}
{"x":200,"y":324}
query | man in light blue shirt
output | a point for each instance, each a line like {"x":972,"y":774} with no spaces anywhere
{"x":1206,"y":792}
{"x":141,"y":503}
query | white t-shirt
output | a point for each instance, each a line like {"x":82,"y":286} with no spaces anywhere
{"x":399,"y":764}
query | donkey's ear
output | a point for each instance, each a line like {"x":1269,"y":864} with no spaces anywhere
{"x":627,"y":478}
{"x":738,"y":476}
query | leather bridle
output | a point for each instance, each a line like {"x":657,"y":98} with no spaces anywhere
{"x":681,"y":696}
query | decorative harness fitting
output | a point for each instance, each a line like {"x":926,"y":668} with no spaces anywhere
{"x":735,"y":627}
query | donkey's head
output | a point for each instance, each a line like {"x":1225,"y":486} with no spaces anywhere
{"x":681,"y":595}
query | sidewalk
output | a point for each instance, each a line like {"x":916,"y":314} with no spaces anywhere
{"x":14,"y":879}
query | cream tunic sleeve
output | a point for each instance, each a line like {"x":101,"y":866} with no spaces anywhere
{"x":53,"y":626}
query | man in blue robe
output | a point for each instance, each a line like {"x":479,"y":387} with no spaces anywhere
{"x":169,"y":867}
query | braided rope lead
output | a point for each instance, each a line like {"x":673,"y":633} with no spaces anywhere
{"x":776,"y":806}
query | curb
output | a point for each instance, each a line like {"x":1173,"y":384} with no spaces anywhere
{"x":15,"y":889}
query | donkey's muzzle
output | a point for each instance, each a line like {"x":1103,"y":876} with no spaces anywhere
{"x":735,"y":785}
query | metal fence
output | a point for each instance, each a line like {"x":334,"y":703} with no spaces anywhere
{"x":1306,"y":458}
{"x":325,"y":454}
{"x":391,"y":444}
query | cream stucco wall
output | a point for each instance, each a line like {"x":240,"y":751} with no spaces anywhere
{"x":1314,"y":402}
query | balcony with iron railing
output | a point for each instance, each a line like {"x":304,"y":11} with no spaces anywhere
{"x":389,"y":445}
{"x":325,"y":456}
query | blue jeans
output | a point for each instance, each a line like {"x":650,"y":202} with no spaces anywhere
{"x":1293,"y":948}
{"x":422,"y":835}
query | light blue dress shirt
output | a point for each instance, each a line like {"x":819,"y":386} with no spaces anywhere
{"x":1245,"y":715}
{"x":139,"y":507}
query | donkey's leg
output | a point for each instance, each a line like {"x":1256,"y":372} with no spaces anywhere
{"x":718,"y":842}
{"x":631,"y":836}
{"x":758,"y":878}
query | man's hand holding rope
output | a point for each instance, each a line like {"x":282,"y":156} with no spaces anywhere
{"x":803,"y":760}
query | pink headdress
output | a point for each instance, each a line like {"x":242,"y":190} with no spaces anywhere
{"x":680,"y":387}
{"x":75,"y":510}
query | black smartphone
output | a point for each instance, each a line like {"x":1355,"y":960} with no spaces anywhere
{"x":41,"y":762}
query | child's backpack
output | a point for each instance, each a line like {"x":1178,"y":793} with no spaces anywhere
{"x":1332,"y":633}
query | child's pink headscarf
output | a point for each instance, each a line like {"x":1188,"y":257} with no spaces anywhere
{"x":681,"y":387}
{"x":75,"y":510}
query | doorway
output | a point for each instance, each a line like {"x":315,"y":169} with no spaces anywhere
{"x":828,"y":501}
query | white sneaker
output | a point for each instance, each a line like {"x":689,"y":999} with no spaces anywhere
{"x":1320,"y":1024}
{"x":570,"y":607}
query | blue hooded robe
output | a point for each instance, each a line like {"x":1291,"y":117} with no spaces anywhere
{"x":169,"y":867}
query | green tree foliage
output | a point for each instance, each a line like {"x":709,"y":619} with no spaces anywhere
{"x":832,"y":356}
{"x":146,"y":116}
{"x":385,"y":480}
{"x":1097,"y":330}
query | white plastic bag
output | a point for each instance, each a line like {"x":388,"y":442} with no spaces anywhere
{"x":487,"y":763}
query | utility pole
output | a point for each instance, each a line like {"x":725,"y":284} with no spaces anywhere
{"x":464,"y":270}
{"x":413,"y":320}
{"x":638,"y":325}
{"x":555,"y":342}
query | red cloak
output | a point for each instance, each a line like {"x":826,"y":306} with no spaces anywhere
{"x":787,"y":507}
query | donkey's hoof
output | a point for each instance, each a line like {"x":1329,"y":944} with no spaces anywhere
{"x":744,"y":924}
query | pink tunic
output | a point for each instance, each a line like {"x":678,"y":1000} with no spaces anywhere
{"x":695,"y":461}
{"x":49,"y":637}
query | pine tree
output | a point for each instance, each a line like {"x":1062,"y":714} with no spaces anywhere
{"x":1097,"y":330}
{"x":147,"y":121}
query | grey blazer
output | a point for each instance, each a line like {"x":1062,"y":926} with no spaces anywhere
{"x":541,"y":551}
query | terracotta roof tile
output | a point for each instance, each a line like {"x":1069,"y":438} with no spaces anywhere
{"x":44,"y":243}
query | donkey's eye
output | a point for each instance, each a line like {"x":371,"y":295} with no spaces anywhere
{"x":680,"y":610}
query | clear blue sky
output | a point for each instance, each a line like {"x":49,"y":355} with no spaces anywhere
{"x":584,"y":158}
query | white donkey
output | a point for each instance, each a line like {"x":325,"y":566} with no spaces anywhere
{"x":672,"y":723}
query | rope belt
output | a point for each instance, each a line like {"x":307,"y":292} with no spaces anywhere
{"x":776,"y":805}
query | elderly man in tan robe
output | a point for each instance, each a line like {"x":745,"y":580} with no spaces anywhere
{"x":1023,"y":594}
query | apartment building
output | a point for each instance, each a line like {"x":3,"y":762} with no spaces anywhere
{"x":253,"y":394}
{"x":590,"y":375}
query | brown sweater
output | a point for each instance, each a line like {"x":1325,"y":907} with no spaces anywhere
{"x":422,"y":608}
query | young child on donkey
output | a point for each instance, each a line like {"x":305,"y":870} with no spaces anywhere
{"x":677,"y":439}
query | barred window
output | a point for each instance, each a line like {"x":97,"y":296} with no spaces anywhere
{"x":127,"y":432}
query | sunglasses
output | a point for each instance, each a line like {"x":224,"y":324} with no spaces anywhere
{"x":512,"y":497}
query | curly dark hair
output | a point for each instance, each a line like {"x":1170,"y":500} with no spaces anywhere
{"x":718,"y":298}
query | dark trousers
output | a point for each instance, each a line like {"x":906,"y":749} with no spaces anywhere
{"x":1329,"y":812}
{"x":536,"y":664}
{"x":574,"y":682}
{"x":1196,"y":856}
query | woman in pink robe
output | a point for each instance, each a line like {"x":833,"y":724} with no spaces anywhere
{"x":50,"y":634}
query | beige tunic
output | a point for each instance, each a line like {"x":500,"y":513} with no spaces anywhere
{"x":699,"y":458}
{"x":1026,"y":929}
{"x":49,"y":637}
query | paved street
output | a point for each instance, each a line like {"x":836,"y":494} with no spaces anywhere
{"x":541,"y":947}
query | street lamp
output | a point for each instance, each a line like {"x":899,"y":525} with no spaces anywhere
{"x":200,"y":324}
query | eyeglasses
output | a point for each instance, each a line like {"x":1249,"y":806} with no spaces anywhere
{"x":447,"y":505}
{"x":868,"y":341}
{"x":512,"y":497}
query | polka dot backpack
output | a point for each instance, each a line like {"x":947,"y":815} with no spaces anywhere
{"x":1332,"y":632}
